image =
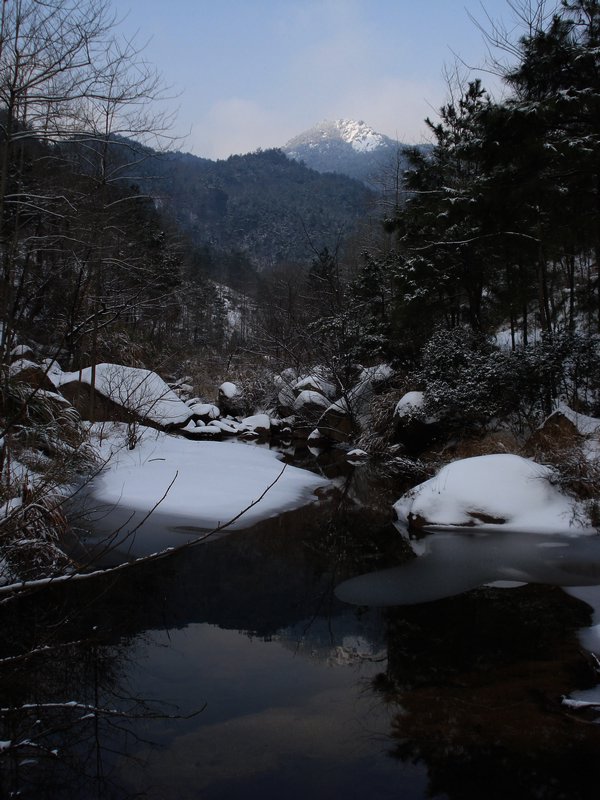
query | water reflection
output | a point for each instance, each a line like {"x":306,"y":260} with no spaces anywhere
{"x":452,"y":562}
{"x":247,"y":623}
{"x":476,"y":682}
{"x":65,"y":707}
{"x":306,"y":695}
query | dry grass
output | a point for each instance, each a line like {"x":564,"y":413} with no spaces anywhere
{"x":480,"y":444}
{"x":44,"y":449}
{"x":378,"y":438}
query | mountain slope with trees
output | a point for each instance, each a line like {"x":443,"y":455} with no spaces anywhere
{"x":265,"y":207}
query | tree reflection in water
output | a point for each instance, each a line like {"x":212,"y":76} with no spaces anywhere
{"x":478,"y":682}
{"x":66,"y":709}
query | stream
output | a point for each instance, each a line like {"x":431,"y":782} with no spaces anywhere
{"x":234,"y":669}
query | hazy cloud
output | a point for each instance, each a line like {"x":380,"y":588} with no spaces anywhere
{"x":237,"y":125}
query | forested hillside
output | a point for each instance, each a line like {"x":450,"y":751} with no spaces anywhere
{"x":262,"y":205}
{"x":153,"y":304}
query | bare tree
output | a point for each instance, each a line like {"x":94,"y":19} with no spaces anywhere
{"x":78,"y":108}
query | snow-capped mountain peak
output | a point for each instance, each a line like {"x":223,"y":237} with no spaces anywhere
{"x":344,"y":146}
{"x":360,"y":136}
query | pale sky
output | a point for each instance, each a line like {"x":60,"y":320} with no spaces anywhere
{"x":255,"y":73}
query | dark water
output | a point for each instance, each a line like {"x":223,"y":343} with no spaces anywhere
{"x":232,"y":669}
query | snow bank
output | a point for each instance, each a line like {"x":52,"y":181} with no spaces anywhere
{"x":213,"y":481}
{"x":495,"y":489}
{"x":138,"y":390}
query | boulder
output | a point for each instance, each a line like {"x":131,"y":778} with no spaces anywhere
{"x":30,"y":373}
{"x":315,"y":383}
{"x":336,"y":423}
{"x":231,"y":399}
{"x":199,"y":430}
{"x":285,"y":394}
{"x":125,"y":394}
{"x":378,"y":376}
{"x":562,"y":429}
{"x":285,"y":401}
{"x":356,"y":456}
{"x":257,"y":423}
{"x":21,"y":351}
{"x":412,"y":427}
{"x":500,"y":490}
{"x":204,"y":411}
{"x":310,"y":405}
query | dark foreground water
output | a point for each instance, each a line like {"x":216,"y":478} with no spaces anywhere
{"x":232,"y":670}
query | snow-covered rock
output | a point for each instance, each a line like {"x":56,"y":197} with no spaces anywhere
{"x":584,"y":425}
{"x":138,"y":392}
{"x":309,"y":403}
{"x":231,"y":399}
{"x":356,"y":455}
{"x":285,"y":393}
{"x":315,"y":383}
{"x":567,"y":429}
{"x":205,"y":410}
{"x":230,"y":428}
{"x":336,"y":422}
{"x":412,"y":427}
{"x":410,"y":405}
{"x":228,"y":390}
{"x":285,"y":401}
{"x":259,"y":423}
{"x":31,"y":373}
{"x":21,"y":351}
{"x":377,"y":375}
{"x":501,"y":489}
{"x":53,"y":371}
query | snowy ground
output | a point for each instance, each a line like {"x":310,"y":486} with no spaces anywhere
{"x":200,"y":486}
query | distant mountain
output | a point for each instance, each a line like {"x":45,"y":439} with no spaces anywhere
{"x":346,"y":147}
{"x":262,"y":206}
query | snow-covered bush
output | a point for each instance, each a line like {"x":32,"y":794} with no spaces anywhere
{"x":467,"y":380}
{"x":464,"y":377}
